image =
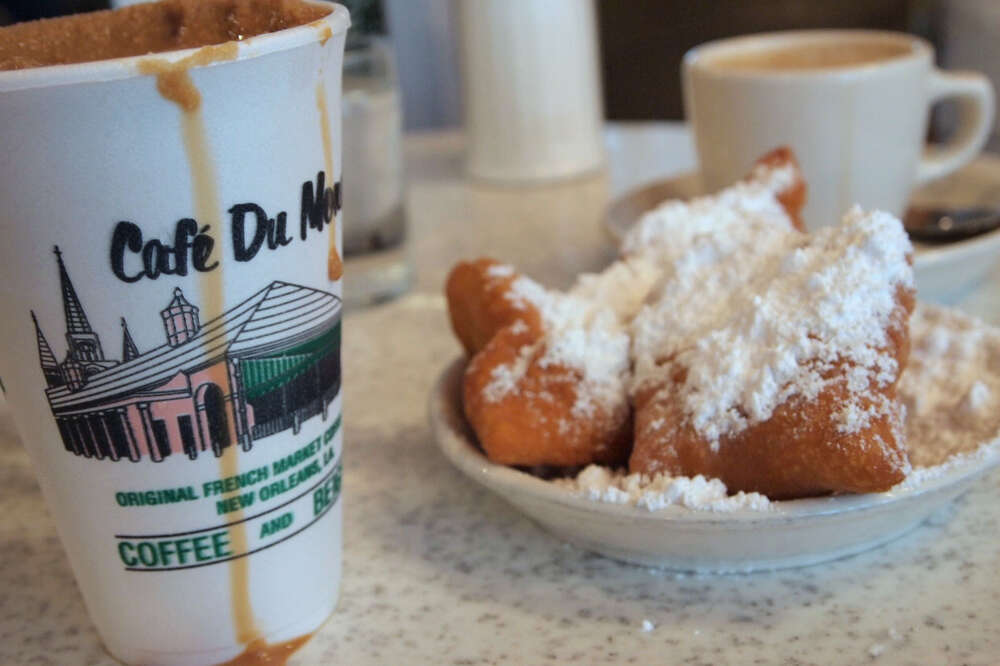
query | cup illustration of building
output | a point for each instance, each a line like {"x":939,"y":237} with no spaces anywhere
{"x":264,"y":366}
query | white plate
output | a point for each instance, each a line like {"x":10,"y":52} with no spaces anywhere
{"x":794,"y":533}
{"x":943,"y":273}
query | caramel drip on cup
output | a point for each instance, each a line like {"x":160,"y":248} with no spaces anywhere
{"x":334,"y":264}
{"x":258,"y":653}
{"x":173,"y":80}
{"x":325,"y":33}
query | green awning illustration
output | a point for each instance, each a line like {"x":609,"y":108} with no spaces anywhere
{"x":266,"y":374}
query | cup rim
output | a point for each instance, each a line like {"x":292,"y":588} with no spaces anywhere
{"x":338,"y":21}
{"x":919,"y":50}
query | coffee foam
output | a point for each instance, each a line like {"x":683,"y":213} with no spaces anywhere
{"x":142,"y":29}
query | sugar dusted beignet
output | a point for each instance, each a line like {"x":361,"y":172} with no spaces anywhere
{"x":481,"y":302}
{"x":779,"y":172}
{"x":527,"y":409}
{"x":770,"y":197}
{"x":557,"y":394}
{"x":784,"y":381}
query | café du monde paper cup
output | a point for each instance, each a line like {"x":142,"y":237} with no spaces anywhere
{"x":171,"y":322}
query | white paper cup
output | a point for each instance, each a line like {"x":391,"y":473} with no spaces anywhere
{"x":858,"y":130}
{"x":182,"y":408}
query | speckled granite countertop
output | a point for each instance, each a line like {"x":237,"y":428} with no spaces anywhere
{"x":439,"y":571}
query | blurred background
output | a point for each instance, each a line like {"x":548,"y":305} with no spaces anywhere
{"x":531,"y":83}
{"x":641,"y":43}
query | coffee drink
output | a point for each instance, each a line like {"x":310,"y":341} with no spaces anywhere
{"x":147,"y":28}
{"x":808,"y":56}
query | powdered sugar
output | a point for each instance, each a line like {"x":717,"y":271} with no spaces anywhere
{"x":623,"y":286}
{"x":756,"y":324}
{"x":852,"y":417}
{"x":500,"y":271}
{"x":504,"y":378}
{"x":921,"y":475}
{"x":587,"y":329}
{"x":676,"y":225}
{"x":952,"y":388}
{"x":660,"y":491}
{"x":775,"y":178}
{"x":580,"y":333}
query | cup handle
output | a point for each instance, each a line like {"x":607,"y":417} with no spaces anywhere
{"x":974,"y":93}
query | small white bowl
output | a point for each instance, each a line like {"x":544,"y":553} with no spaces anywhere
{"x":793,"y":533}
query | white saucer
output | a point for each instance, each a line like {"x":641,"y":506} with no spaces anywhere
{"x":943,"y":272}
{"x":794,"y":533}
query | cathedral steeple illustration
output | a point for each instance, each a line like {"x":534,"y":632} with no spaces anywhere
{"x":129,"y":350}
{"x":50,"y":366}
{"x":84,"y":354}
{"x":84,"y":345}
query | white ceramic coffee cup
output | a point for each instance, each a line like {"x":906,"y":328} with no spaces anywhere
{"x":858,"y":130}
{"x":138,"y":396}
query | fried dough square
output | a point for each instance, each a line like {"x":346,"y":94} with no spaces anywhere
{"x":788,"y":389}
